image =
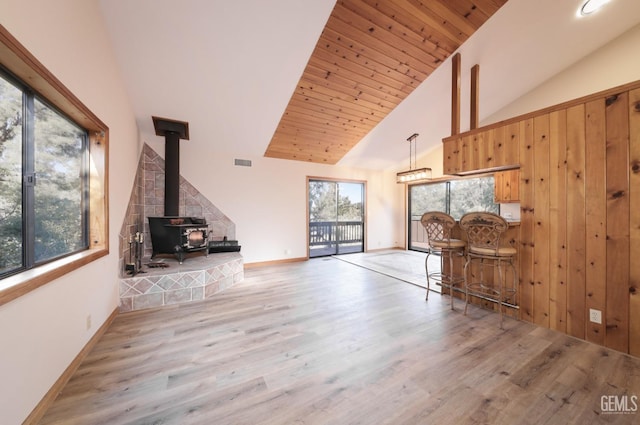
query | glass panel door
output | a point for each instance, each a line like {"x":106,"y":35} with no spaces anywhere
{"x":336,"y":217}
{"x":423,"y":198}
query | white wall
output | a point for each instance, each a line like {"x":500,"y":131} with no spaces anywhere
{"x":615,"y":64}
{"x":267,"y":201}
{"x":43,"y":331}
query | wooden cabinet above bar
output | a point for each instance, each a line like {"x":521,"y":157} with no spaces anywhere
{"x":496,"y":146}
{"x":482,"y":150}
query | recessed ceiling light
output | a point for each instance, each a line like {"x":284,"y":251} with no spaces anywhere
{"x":591,"y":6}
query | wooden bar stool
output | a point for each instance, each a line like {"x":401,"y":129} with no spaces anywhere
{"x":438,"y":227}
{"x":484,"y":232}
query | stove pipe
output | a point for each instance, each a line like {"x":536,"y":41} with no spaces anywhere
{"x":171,"y":174}
{"x":172,"y":131}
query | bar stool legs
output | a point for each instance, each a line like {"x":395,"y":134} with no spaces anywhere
{"x":438,"y":226}
{"x":426,"y":268}
{"x":498,"y":292}
{"x":484,"y":231}
{"x":446,"y":279}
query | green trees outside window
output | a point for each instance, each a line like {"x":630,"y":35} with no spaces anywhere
{"x":43,"y":181}
{"x":10,"y":176}
{"x":455,"y":197}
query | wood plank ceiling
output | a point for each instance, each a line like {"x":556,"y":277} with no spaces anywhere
{"x":371,"y":55}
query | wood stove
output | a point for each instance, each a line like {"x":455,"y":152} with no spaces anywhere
{"x":172,"y":234}
{"x":178,"y":236}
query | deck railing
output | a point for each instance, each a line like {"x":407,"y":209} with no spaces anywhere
{"x":335,"y":232}
{"x":418,"y":234}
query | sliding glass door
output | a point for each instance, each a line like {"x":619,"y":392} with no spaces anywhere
{"x":336,"y":217}
{"x":423,"y":198}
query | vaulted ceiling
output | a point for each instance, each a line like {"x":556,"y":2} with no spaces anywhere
{"x":371,"y":55}
{"x":240,"y":71}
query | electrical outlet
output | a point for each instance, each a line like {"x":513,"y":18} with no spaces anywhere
{"x":595,"y":316}
{"x":88,"y":321}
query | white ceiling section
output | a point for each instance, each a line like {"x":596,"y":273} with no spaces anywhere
{"x":229,"y":67}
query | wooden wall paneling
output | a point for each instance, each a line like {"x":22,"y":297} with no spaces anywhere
{"x":466,"y":149}
{"x":541,"y":220}
{"x":452,"y":156}
{"x":498,"y":187}
{"x":509,"y":187}
{"x":477,"y":150}
{"x":576,"y":221}
{"x":512,"y":145}
{"x":593,"y":190}
{"x":506,"y":186}
{"x":514,"y":184}
{"x":457,"y":152}
{"x":486,"y":147}
{"x":617,"y":133}
{"x":498,"y":139}
{"x":558,"y":220}
{"x":449,"y":156}
{"x":526,"y":220}
{"x":596,"y":217}
{"x":507,"y":190}
{"x":634,"y":222}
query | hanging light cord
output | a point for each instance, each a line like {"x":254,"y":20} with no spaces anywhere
{"x":413,"y":147}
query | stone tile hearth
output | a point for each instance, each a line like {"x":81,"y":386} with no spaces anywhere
{"x":199,"y":277}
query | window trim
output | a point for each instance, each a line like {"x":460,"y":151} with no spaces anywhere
{"x":17,"y":60}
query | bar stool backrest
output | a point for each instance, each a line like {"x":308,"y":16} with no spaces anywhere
{"x":484,"y":230}
{"x":438,"y":226}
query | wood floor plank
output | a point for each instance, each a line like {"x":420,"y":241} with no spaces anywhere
{"x":328,"y":342}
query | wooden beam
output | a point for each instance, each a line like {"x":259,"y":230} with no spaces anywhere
{"x":475,"y":96}
{"x":455,"y":94}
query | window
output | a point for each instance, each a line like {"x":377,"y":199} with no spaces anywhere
{"x":455,"y":197}
{"x":43,"y":181}
{"x":53,"y":176}
{"x":475,"y":194}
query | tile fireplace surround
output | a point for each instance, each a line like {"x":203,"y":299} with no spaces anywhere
{"x":199,"y":276}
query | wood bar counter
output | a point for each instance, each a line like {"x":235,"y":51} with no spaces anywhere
{"x":510,"y":238}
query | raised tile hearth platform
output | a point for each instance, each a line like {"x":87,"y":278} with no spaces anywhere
{"x":199,"y":277}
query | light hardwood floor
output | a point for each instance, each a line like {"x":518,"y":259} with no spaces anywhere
{"x":328,"y":342}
